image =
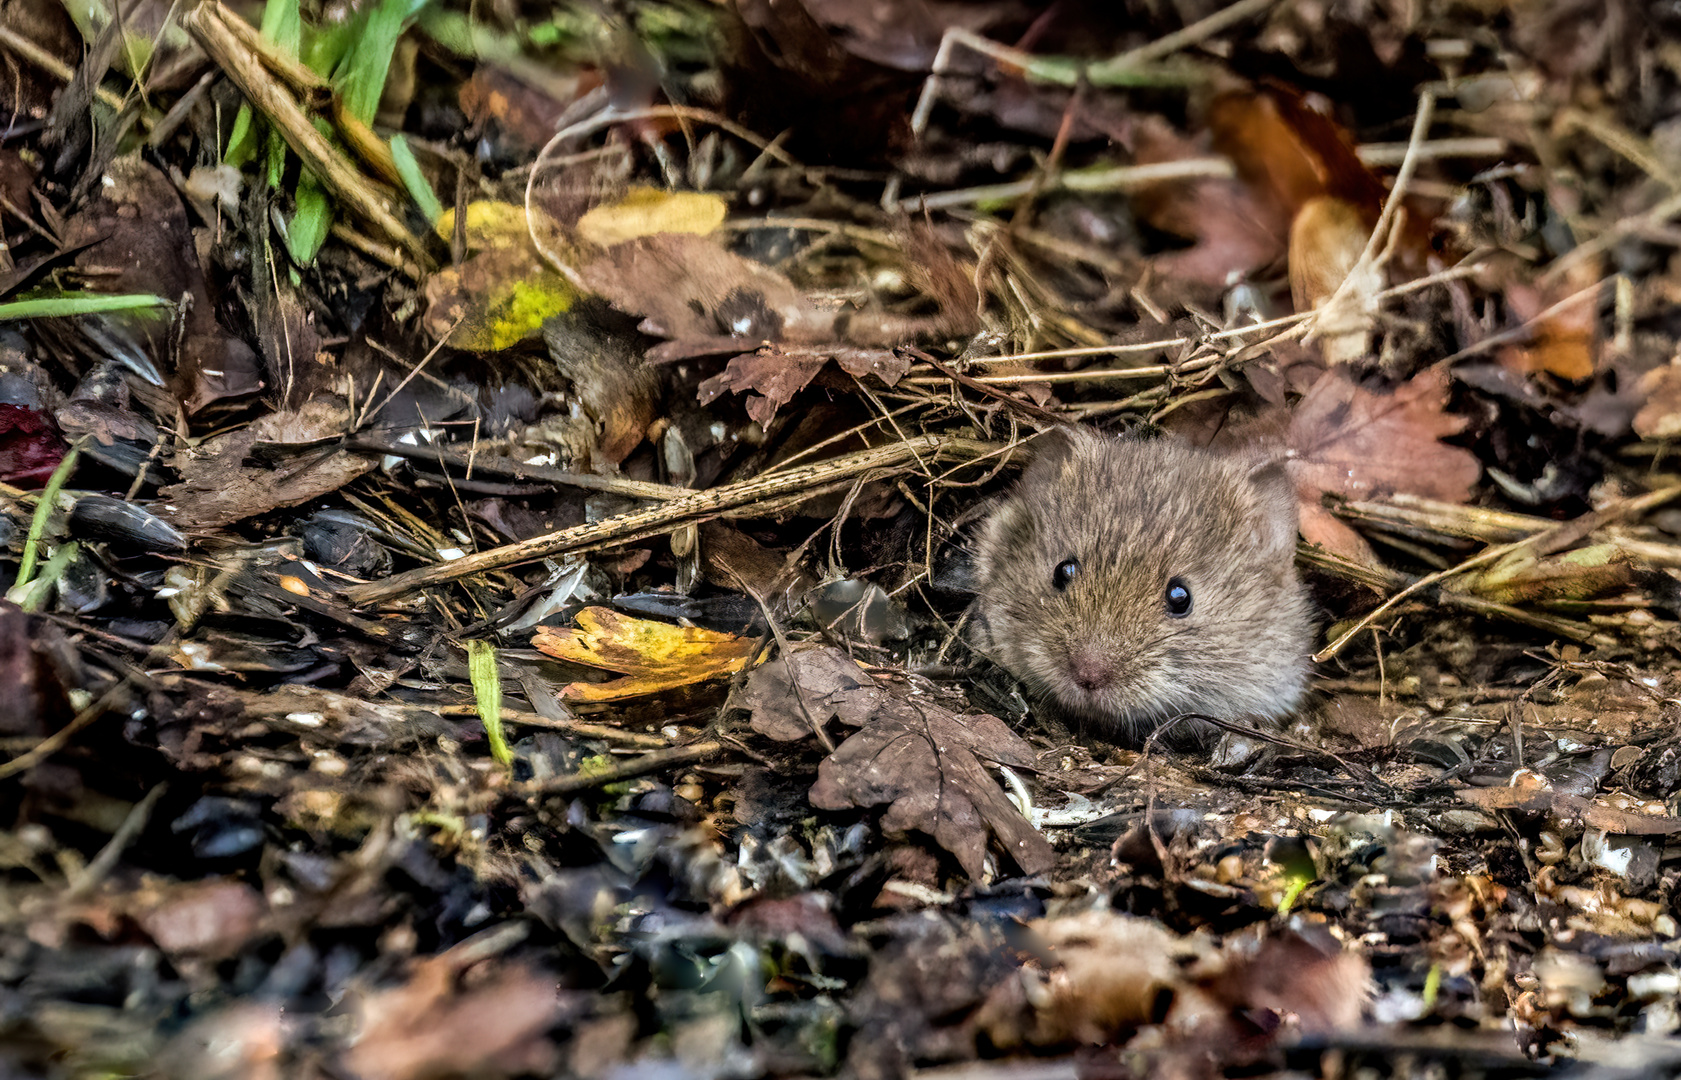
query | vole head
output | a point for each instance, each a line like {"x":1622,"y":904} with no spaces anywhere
{"x":1132,"y":580}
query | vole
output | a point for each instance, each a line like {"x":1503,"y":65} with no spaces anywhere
{"x":1127,"y":581}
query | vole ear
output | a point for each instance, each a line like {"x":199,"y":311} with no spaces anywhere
{"x":1052,"y":450}
{"x":1277,"y":518}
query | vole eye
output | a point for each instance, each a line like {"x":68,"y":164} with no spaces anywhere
{"x":1178,"y":597}
{"x":1064,"y":573}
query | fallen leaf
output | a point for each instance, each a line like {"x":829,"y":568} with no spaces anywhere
{"x":1097,"y":977}
{"x":1660,"y":416}
{"x":1230,"y":230}
{"x":1561,"y":343}
{"x":828,"y":683}
{"x":428,"y":1027}
{"x":138,"y":240}
{"x":1290,"y":153}
{"x":1327,"y":239}
{"x":215,"y":918}
{"x":217,"y":487}
{"x":925,"y":762}
{"x":1352,"y":442}
{"x":502,"y":292}
{"x":777,"y":374}
{"x":30,"y":447}
{"x":653,"y":656}
{"x":1581,"y":574}
{"x":686,"y":286}
{"x":644,"y":211}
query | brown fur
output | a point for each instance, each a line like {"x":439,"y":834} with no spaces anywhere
{"x":1137,"y":513}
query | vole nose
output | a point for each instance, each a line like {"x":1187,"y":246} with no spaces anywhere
{"x":1090,"y":668}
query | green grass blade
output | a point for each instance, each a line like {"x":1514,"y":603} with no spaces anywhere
{"x":420,"y":189}
{"x":59,"y":307}
{"x":307,"y":230}
{"x":43,"y":514}
{"x":486,"y":676}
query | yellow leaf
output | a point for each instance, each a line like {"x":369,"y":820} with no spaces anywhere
{"x":654,"y":656}
{"x":501,"y":294}
{"x":645,"y":211}
{"x":490,"y":224}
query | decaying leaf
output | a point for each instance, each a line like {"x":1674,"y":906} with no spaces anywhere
{"x":776,"y":373}
{"x":1231,"y":230}
{"x":1350,"y":441}
{"x":925,"y":761}
{"x":653,"y":656}
{"x":218,"y":488}
{"x":500,"y":295}
{"x":686,"y":286}
{"x":1660,"y":416}
{"x":1562,"y":342}
{"x":644,"y":211}
{"x":829,"y":683}
{"x":1327,"y":239}
{"x":427,"y":1027}
{"x":1580,"y":574}
{"x":1098,"y":976}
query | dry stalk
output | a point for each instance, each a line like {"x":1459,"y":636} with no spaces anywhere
{"x":658,"y":520}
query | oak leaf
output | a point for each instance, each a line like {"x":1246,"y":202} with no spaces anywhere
{"x":925,"y":762}
{"x":1347,"y":440}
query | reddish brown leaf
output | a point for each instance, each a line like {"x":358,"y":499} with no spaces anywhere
{"x":213,"y":919}
{"x":1562,"y":343}
{"x":30,"y":448}
{"x":428,"y":1027}
{"x":1231,"y":230}
{"x":924,"y":761}
{"x":830,"y":683}
{"x":1660,"y":416}
{"x":1350,"y":441}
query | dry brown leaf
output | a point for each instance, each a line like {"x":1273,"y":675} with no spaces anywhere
{"x":1660,"y":416}
{"x":217,"y":487}
{"x":1326,"y":241}
{"x":653,"y":656}
{"x":1098,"y":976}
{"x":1349,"y":441}
{"x":687,"y":286}
{"x":427,"y":1027}
{"x":1232,"y":232}
{"x":830,"y":683}
{"x":1581,"y":574}
{"x":1562,"y":343}
{"x":138,"y":240}
{"x":925,"y":762}
{"x":776,"y":373}
{"x":214,"y":919}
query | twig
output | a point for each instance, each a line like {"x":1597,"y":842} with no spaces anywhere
{"x":1522,"y":332}
{"x":1376,"y":242}
{"x":209,"y":25}
{"x":106,"y":861}
{"x":1554,"y":539}
{"x":1201,"y":30}
{"x":52,"y":65}
{"x":657,"y":761}
{"x":657,"y":520}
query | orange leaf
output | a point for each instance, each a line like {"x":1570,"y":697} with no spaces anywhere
{"x":654,"y":656}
